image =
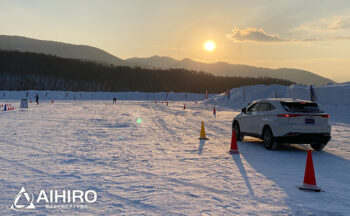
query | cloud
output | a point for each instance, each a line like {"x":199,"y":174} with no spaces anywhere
{"x":331,"y":24}
{"x":258,"y":35}
{"x":253,"y":35}
{"x":341,"y":23}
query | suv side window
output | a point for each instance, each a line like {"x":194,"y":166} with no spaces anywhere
{"x":266,"y":107}
{"x":271,"y":107}
{"x":263,"y":107}
{"x":253,"y":108}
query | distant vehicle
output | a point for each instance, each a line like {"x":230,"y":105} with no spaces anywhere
{"x":284,"y":120}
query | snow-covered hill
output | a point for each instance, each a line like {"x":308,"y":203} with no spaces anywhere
{"x":90,"y":53}
{"x":233,"y":70}
{"x":59,"y":49}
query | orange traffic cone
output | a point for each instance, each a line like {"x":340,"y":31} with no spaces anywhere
{"x":234,"y":147}
{"x":309,"y":177}
{"x":184,"y":106}
{"x":202,"y":135}
{"x":214,"y":111}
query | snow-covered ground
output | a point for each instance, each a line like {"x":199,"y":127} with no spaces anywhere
{"x":144,"y":158}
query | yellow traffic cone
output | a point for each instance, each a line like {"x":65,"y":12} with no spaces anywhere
{"x":202,"y":136}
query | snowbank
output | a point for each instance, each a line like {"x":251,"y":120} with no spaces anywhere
{"x":62,"y":95}
{"x":335,"y":94}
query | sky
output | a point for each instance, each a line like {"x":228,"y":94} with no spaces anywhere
{"x":311,"y":34}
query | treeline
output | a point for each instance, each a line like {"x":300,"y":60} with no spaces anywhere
{"x":31,"y":71}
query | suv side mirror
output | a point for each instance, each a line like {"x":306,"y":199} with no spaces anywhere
{"x":244,"y":110}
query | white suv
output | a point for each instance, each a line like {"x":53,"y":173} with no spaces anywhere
{"x":284,"y":120}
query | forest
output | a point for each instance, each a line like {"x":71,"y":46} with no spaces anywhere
{"x":33,"y":71}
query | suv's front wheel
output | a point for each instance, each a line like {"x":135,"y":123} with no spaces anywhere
{"x":239,"y":136}
{"x":268,"y":139}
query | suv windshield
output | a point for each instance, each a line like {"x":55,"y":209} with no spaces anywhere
{"x":303,"y":107}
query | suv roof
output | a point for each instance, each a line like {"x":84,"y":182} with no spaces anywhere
{"x":281,"y":99}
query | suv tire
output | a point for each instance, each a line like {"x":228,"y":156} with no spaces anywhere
{"x":268,"y":139}
{"x":239,"y":136}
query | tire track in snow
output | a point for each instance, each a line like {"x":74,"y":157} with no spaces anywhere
{"x":134,"y":203}
{"x":159,"y":122}
{"x":13,"y":162}
{"x":126,"y":201}
{"x":169,"y":179}
{"x":171,"y":133}
{"x":191,"y":127}
{"x":140,"y":205}
{"x":176,"y":181}
{"x":181,"y":125}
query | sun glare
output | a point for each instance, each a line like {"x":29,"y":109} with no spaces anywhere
{"x":209,"y":46}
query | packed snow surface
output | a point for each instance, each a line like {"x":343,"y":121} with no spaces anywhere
{"x":144,"y":158}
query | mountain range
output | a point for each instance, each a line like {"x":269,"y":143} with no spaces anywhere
{"x":94,"y":54}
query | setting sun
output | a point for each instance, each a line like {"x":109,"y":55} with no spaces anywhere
{"x":209,"y":46}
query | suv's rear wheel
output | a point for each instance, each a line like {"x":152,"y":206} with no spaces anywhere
{"x":318,"y":146}
{"x":239,"y":136}
{"x":268,"y":139}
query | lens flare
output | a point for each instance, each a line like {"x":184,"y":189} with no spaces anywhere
{"x":139,"y":121}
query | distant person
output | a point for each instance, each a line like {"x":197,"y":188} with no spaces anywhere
{"x":114,"y":100}
{"x":37,"y":99}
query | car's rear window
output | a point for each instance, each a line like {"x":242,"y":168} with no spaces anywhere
{"x":303,"y":107}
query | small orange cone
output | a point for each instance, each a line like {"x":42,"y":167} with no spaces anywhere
{"x":202,"y":135}
{"x":184,"y":106}
{"x":309,"y":177}
{"x":214,"y":111}
{"x":234,"y":147}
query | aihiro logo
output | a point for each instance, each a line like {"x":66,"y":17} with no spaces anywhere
{"x":54,"y":199}
{"x":28,"y":196}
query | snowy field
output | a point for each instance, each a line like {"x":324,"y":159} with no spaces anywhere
{"x":144,"y":158}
